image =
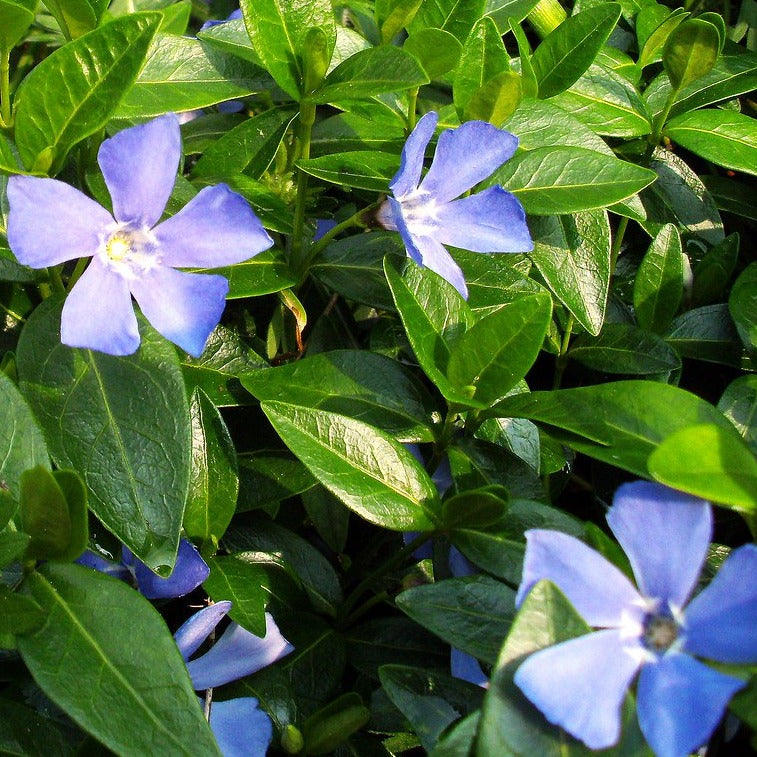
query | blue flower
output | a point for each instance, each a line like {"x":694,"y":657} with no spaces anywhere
{"x":50,"y":222}
{"x":580,"y":684}
{"x":240,"y":727}
{"x":428,"y":216}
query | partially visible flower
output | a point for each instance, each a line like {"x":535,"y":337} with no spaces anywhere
{"x":580,"y":684}
{"x":189,"y":571}
{"x":426,"y":213}
{"x":233,"y":16}
{"x":50,"y":222}
{"x":240,"y":727}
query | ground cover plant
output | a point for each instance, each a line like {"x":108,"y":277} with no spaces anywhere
{"x":377,"y":377}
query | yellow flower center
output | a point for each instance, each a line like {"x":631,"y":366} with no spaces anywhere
{"x":117,"y":247}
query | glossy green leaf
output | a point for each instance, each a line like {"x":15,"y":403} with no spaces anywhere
{"x":176,"y":17}
{"x":713,"y":272}
{"x":572,"y":253}
{"x":18,"y":613}
{"x":530,"y":84}
{"x":711,"y":462}
{"x":333,"y":724}
{"x":719,"y":136}
{"x":231,"y":37}
{"x":706,"y":333}
{"x":743,"y":305}
{"x":374,"y":475}
{"x":330,"y":518}
{"x":551,"y":180}
{"x":690,"y":51}
{"x":265,"y":273}
{"x":394,"y":15}
{"x":357,"y":168}
{"x":570,"y":49}
{"x":454,"y":16}
{"x":474,"y":508}
{"x":437,"y":51}
{"x":62,"y":102}
{"x":112,"y":419}
{"x":739,"y":404}
{"x":658,"y":286}
{"x":496,"y":100}
{"x":12,"y":546}
{"x":266,"y":477}
{"x":653,"y":27}
{"x":75,"y":17}
{"x":16,"y":17}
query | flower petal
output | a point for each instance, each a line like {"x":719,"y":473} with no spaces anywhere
{"x":139,"y":165}
{"x":189,"y":572}
{"x":435,"y":256}
{"x":241,"y":728}
{"x":99,"y":563}
{"x":196,"y":629}
{"x":580,"y":685}
{"x":467,"y":668}
{"x":51,"y":222}
{"x":236,"y":654}
{"x":465,"y":156}
{"x":596,"y":588}
{"x":721,"y":621}
{"x":217,"y":227}
{"x":98,"y":313}
{"x":184,"y":307}
{"x":490,"y":221}
{"x":680,"y":701}
{"x":665,"y":534}
{"x":411,"y":164}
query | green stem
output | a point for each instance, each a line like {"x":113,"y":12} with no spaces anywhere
{"x":562,"y":358}
{"x":412,"y":101}
{"x":617,"y":243}
{"x":12,"y":314}
{"x":81,"y":264}
{"x":655,"y":137}
{"x":298,"y":253}
{"x":56,"y":281}
{"x":546,"y":17}
{"x":5,"y":89}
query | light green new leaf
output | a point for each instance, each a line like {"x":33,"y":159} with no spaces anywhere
{"x":16,"y":17}
{"x":690,"y":51}
{"x":437,"y":51}
{"x":454,"y":16}
{"x":739,"y":404}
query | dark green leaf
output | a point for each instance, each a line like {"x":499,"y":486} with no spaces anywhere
{"x":330,"y":518}
{"x":18,"y":613}
{"x":713,"y":273}
{"x":706,"y":333}
{"x":358,"y":168}
{"x":458,"y":740}
{"x":739,"y":404}
{"x":743,"y":305}
{"x":333,"y":724}
{"x":12,"y":546}
{"x":475,"y":508}
{"x":268,"y":476}
{"x":24,"y":731}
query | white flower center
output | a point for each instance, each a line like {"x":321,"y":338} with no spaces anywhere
{"x":419,"y":209}
{"x":128,"y":250}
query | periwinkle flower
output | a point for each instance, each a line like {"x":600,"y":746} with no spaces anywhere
{"x":51,"y":222}
{"x":240,"y":727}
{"x":580,"y":684}
{"x":426,"y":213}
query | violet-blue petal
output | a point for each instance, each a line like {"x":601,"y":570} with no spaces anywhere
{"x":236,"y":654}
{"x":97,"y":562}
{"x":467,"y":668}
{"x":189,"y":572}
{"x":139,"y":165}
{"x":435,"y":256}
{"x":184,"y":307}
{"x":410,"y":241}
{"x":466,"y":156}
{"x":98,"y":313}
{"x":665,"y":534}
{"x":241,"y":728}
{"x":459,"y":564}
{"x":217,"y":227}
{"x":196,"y":629}
{"x":51,"y":222}
{"x":680,"y":702}
{"x":488,"y":221}
{"x":580,"y":685}
{"x":596,"y":588}
{"x":721,"y":622}
{"x":411,"y":163}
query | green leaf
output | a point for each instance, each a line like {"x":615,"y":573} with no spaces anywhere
{"x":231,"y":37}
{"x":330,"y":518}
{"x":437,"y":51}
{"x":472,"y":614}
{"x":24,"y":731}
{"x":266,"y":477}
{"x":183,"y":74}
{"x":394,"y":15}
{"x":360,"y":384}
{"x":454,"y":16}
{"x":176,"y":17}
{"x":75,"y":17}
{"x":739,"y":404}
{"x":22,"y":445}
{"x":458,"y":740}
{"x":722,"y":137}
{"x":18,"y":613}
{"x":474,"y":508}
{"x":551,"y":180}
{"x":571,"y":48}
{"x":504,"y":11}
{"x":621,"y":423}
{"x":497,"y":352}
{"x":690,"y":51}
{"x":16,"y":17}
{"x":61,"y":102}
{"x":731,"y":196}
{"x":371,"y":72}
{"x":706,"y":333}
{"x":265,"y":273}
{"x":658,"y":286}
{"x":357,"y":168}
{"x":572,"y":253}
{"x":277,"y":29}
{"x":743,"y":305}
{"x":496,"y":100}
{"x":333,"y":724}
{"x":108,"y":638}
{"x":112,"y":419}
{"x":248,"y":148}
{"x":213,"y":478}
{"x":374,"y":475}
{"x":713,"y":272}
{"x":622,"y":348}
{"x":12,"y":546}
{"x":711,"y":462}
{"x":530,"y":84}
{"x":653,"y":27}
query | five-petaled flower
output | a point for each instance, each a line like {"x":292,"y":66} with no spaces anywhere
{"x":428,"y":216}
{"x":581,"y":683}
{"x":51,"y":222}
{"x":240,"y":727}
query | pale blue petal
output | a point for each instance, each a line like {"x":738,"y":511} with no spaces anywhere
{"x":236,"y":654}
{"x":184,"y":307}
{"x":721,"y":622}
{"x":435,"y":256}
{"x":385,"y":215}
{"x":97,"y":562}
{"x":216,"y":228}
{"x":241,"y":728}
{"x":459,"y":564}
{"x":51,"y":222}
{"x":490,"y":221}
{"x":596,"y":588}
{"x":189,"y":572}
{"x":196,"y":629}
{"x":425,"y":551}
{"x":467,"y":668}
{"x":411,"y":164}
{"x":98,"y":313}
{"x":580,"y":685}
{"x":409,"y":240}
{"x":139,"y":165}
{"x":665,"y":534}
{"x":465,"y":156}
{"x":680,"y":702}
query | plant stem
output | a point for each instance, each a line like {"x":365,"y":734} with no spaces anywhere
{"x":617,"y":243}
{"x":297,"y":253}
{"x":562,"y":358}
{"x":5,"y":89}
{"x":546,"y":17}
{"x":81,"y":264}
{"x":56,"y":281}
{"x":412,"y":100}
{"x":655,"y":137}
